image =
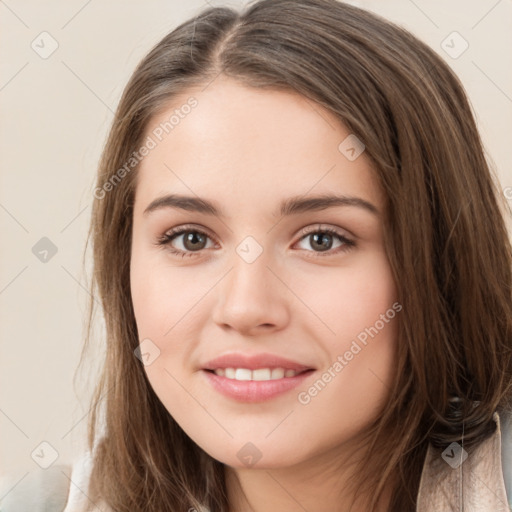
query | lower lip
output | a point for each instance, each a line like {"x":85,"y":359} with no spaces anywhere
{"x":254,"y":390}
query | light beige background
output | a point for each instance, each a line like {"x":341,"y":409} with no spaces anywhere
{"x":55,"y":115}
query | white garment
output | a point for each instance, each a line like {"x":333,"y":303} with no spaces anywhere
{"x":78,"y":500}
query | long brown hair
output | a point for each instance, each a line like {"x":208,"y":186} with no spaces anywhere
{"x":446,"y":241}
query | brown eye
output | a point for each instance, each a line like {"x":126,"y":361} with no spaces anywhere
{"x":194,"y":241}
{"x":189,"y":241}
{"x":321,"y":240}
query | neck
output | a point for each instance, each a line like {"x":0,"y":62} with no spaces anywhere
{"x":322,"y":485}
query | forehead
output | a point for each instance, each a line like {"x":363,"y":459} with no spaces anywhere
{"x":250,"y":148}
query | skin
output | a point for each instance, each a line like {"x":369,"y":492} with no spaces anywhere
{"x":247,"y":149}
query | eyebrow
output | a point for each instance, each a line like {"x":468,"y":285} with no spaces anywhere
{"x":290,"y":206}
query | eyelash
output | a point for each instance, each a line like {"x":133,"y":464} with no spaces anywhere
{"x":169,"y":236}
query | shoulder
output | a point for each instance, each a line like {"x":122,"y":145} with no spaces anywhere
{"x":78,"y":499}
{"x":61,"y":488}
{"x":452,"y":479}
{"x":41,"y":486}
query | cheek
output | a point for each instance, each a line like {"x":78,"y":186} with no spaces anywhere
{"x":163,"y":294}
{"x":347,"y":300}
{"x":164,"y":314}
{"x":167,"y":304}
{"x":354,"y":385}
{"x":358,"y":311}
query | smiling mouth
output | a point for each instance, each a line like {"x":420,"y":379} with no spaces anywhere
{"x":259,"y":374}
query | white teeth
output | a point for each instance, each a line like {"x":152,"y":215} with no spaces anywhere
{"x":243,"y":374}
{"x":229,"y":373}
{"x":277,"y":373}
{"x":259,"y":374}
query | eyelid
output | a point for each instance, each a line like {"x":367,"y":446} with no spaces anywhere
{"x":189,"y":227}
{"x":182,"y":228}
{"x":313,"y":228}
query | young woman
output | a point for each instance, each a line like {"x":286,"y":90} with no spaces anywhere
{"x":305,"y":276}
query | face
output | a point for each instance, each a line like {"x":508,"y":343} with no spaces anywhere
{"x":303,"y":297}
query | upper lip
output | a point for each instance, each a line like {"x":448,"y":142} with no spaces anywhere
{"x":254,"y":361}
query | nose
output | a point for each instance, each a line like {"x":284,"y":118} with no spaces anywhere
{"x":251,"y":298}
